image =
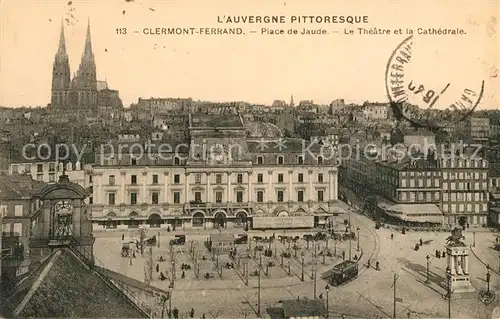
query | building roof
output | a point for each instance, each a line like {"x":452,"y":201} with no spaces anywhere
{"x":286,"y":145}
{"x":263,"y":129}
{"x":205,"y":120}
{"x":63,"y":286}
{"x":18,"y":186}
{"x":304,"y":308}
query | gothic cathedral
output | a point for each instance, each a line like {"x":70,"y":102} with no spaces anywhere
{"x":81,"y":91}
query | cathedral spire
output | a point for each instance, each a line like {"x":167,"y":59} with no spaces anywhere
{"x":62,"y":41}
{"x":88,"y":41}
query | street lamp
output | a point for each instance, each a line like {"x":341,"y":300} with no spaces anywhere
{"x":327,"y":289}
{"x":448,"y":278}
{"x":428,"y":262}
{"x":302,"y":263}
{"x":358,"y":238}
{"x":170,"y":289}
{"x":488,"y":277}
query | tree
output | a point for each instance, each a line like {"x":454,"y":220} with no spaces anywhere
{"x":214,"y":314}
{"x":245,"y":313}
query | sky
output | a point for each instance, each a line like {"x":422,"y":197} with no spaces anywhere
{"x":252,"y":67}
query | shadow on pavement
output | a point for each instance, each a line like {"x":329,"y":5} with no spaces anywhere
{"x":419,"y":272}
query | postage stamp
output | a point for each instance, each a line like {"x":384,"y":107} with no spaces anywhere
{"x":416,"y":88}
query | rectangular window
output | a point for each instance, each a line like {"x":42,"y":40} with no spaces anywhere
{"x":218,"y":179}
{"x":39,"y":168}
{"x":133,"y":179}
{"x":197,"y":179}
{"x":239,"y":178}
{"x":18,"y":229}
{"x":15,"y":169}
{"x":320,"y":196}
{"x":155,"y":197}
{"x":260,"y":196}
{"x":177,"y":197}
{"x":280,"y":197}
{"x":300,"y":178}
{"x":239,"y":196}
{"x":18,"y":210}
{"x":133,"y":198}
{"x":320,"y":178}
{"x":280,"y":178}
{"x":111,"y":179}
{"x":218,"y":197}
{"x":260,"y":178}
{"x":197,"y":197}
{"x":52,"y":177}
{"x":155,"y":179}
{"x":111,"y":198}
{"x":300,"y":196}
{"x":3,"y":211}
{"x":52,"y":167}
{"x":177,"y":179}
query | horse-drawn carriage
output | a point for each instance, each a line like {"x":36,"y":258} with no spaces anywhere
{"x":150,"y":241}
{"x":128,"y":249}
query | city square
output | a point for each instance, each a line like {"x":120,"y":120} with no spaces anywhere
{"x":368,"y":295}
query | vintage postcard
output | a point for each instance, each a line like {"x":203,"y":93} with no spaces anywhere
{"x":249,"y":159}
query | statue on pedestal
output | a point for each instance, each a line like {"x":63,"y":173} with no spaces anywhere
{"x":456,"y":238}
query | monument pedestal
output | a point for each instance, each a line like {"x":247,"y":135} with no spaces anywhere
{"x":458,"y":263}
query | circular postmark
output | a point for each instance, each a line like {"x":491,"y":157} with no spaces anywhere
{"x":420,"y":91}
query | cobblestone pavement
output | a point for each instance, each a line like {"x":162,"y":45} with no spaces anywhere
{"x":368,"y":296}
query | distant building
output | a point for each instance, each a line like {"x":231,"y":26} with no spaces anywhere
{"x":479,"y":129}
{"x":337,"y":106}
{"x":376,"y":111}
{"x":16,"y":207}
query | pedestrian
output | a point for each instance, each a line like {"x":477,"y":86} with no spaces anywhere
{"x":175,"y":312}
{"x":343,"y":255}
{"x":377,"y":266}
{"x":468,"y":225}
{"x":368,"y":264}
{"x":203,"y":316}
{"x":123,"y":237}
{"x":421,"y":242}
{"x":191,"y":313}
{"x":392,"y":236}
{"x":133,"y":254}
{"x":443,"y":254}
{"x":157,"y":267}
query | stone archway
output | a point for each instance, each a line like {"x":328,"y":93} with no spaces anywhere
{"x":241,"y":218}
{"x":220,"y":220}
{"x":283,"y":214}
{"x":154,"y":220}
{"x":133,"y":222}
{"x":198,"y":219}
{"x":111,"y":223}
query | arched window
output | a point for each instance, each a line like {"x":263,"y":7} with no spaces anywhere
{"x":320,"y":160}
{"x":300,"y":160}
{"x":281,"y":160}
{"x":260,"y":160}
{"x":134,"y":161}
{"x":177,"y":161}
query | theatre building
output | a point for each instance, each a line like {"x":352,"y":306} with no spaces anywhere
{"x":225,"y":174}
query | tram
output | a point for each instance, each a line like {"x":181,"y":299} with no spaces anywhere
{"x":342,"y":273}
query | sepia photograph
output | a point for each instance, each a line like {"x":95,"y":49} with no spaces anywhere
{"x":239,"y":159}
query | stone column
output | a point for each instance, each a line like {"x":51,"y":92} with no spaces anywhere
{"x":99,"y":193}
{"x":290,"y":189}
{"x":269,"y":185}
{"x":123,"y":199}
{"x":249,"y":186}
{"x":186,"y":188}
{"x":208,"y":198}
{"x":144,"y":182}
{"x":331,"y":182}
{"x":465,"y":263}
{"x":165,"y":190}
{"x":229,"y":193}
{"x":310,"y":188}
{"x":335,"y":185}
